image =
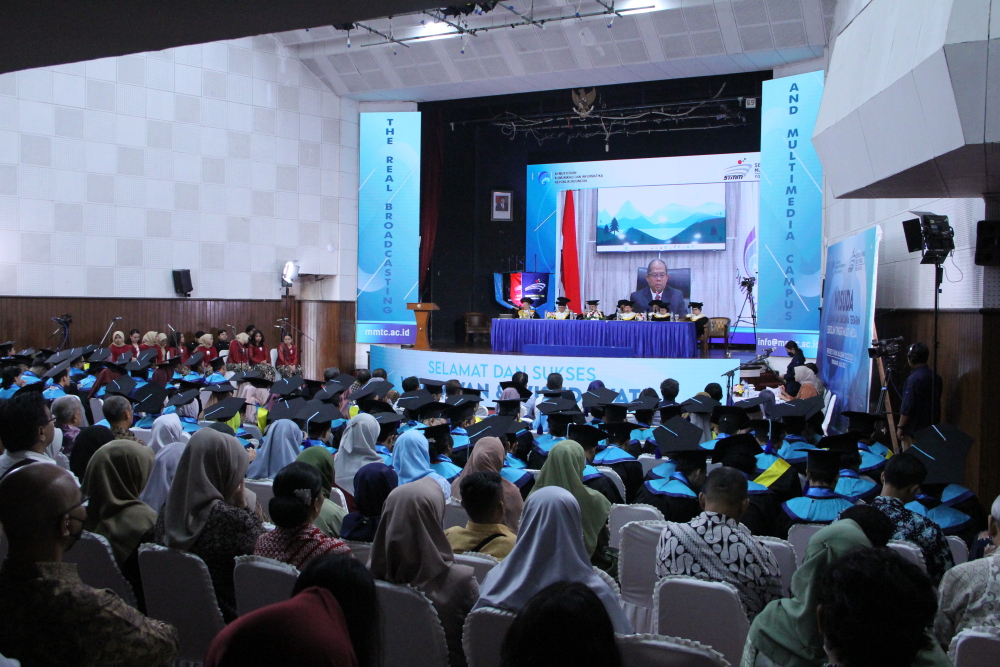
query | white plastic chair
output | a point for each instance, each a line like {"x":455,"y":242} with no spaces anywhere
{"x":799,"y":536}
{"x":337,"y":497}
{"x":610,"y":581}
{"x":615,"y":479}
{"x":262,"y":581}
{"x":784,"y":554}
{"x":454,"y":515}
{"x":144,"y":434}
{"x":95,"y":563}
{"x":649,"y":462}
{"x":975,"y":647}
{"x":909,"y":551}
{"x":361,"y":551}
{"x":959,"y":549}
{"x":483,"y":635}
{"x":661,"y":651}
{"x":274,"y":357}
{"x":830,"y":401}
{"x":637,"y":571}
{"x":263,"y":489}
{"x":709,"y":612}
{"x":411,"y":630}
{"x":622,"y":514}
{"x":97,"y":409}
{"x":179,"y":591}
{"x":481,"y":563}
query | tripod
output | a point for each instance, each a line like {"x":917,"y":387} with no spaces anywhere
{"x":747,"y":285}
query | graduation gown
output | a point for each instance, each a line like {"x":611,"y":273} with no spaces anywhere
{"x":777,"y":475}
{"x":627,"y":467}
{"x":446,"y":468}
{"x":855,"y":487}
{"x":762,"y":514}
{"x":673,"y":496}
{"x":818,"y":505}
{"x":594,"y":479}
{"x":461,"y":447}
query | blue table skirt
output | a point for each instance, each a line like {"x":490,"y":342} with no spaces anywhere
{"x":670,"y":340}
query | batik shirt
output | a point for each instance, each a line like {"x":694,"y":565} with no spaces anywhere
{"x":714,"y":547}
{"x":970,"y":597}
{"x":920,"y":530}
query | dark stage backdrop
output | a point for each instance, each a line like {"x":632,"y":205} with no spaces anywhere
{"x":477,"y":157}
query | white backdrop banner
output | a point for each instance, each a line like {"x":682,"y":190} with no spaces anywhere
{"x":486,"y":371}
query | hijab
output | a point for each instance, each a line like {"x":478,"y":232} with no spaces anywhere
{"x":564,"y":468}
{"x":411,"y":460}
{"x":116,"y":336}
{"x":282,"y":445}
{"x":357,"y":449}
{"x":309,"y":629}
{"x":150,"y":338}
{"x":88,"y":441}
{"x":116,"y":475}
{"x":164,"y":469}
{"x":167,"y":429}
{"x":243,"y":338}
{"x":548,"y":549}
{"x":510,"y":393}
{"x":210,"y":470}
{"x":162,"y":340}
{"x":786,"y":630}
{"x":331,"y":516}
{"x":206,"y":340}
{"x":488,"y":455}
{"x":372,"y":485}
{"x":410,"y":546}
{"x":805,"y":375}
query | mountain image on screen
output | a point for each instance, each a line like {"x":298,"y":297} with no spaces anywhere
{"x":627,"y":228}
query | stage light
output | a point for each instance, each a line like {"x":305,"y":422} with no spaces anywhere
{"x":289,"y":273}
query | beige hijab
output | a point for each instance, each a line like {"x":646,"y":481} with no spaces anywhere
{"x":488,"y":455}
{"x":410,"y":546}
{"x":150,"y":338}
{"x":243,"y":338}
{"x":210,"y":470}
{"x":206,"y":340}
{"x":116,"y":475}
{"x":118,"y":336}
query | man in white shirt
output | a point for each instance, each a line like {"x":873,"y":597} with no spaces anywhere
{"x":26,"y":429}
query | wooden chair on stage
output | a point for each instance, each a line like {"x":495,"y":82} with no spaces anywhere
{"x":718,"y":327}
{"x":476,"y":323}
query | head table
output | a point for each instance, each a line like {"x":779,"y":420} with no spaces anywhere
{"x":659,"y":340}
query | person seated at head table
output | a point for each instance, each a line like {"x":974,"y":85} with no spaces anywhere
{"x":592,"y":313}
{"x":625,"y":312}
{"x":659,"y":311}
{"x":526,"y":312}
{"x":561,"y":312}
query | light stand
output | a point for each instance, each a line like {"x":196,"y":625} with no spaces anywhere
{"x":63,"y":323}
{"x":107,"y":332}
{"x":747,"y":285}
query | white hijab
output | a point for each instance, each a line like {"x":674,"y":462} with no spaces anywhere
{"x":164,"y":469}
{"x":167,"y":429}
{"x":805,"y":375}
{"x":282,"y":445}
{"x":357,"y":449}
{"x":549,"y":548}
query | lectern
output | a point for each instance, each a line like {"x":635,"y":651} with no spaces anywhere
{"x":422,"y":311}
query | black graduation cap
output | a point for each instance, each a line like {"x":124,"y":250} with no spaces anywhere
{"x":225,"y":409}
{"x":375,"y":389}
{"x":861,"y":422}
{"x":375,"y":407}
{"x":617,"y":430}
{"x":66,"y":355}
{"x":587,"y":435}
{"x":528,"y":300}
{"x":117,"y":366}
{"x":555,"y":405}
{"x":57,"y":369}
{"x":625,"y":302}
{"x":384,"y":418}
{"x":222,"y":428}
{"x":172,"y":362}
{"x":700,"y":405}
{"x":509,"y":406}
{"x":463,"y":399}
{"x":431,"y":385}
{"x":696,"y":304}
{"x":148,"y":355}
{"x":765,"y":428}
{"x":656,"y":303}
{"x":136,"y":365}
{"x":195,"y":359}
{"x":190,"y":384}
{"x":89,"y":350}
{"x":434,"y":433}
{"x":285,"y":409}
{"x":679,"y":437}
{"x":731,"y":410}
{"x":44,"y":354}
{"x":598,"y":397}
{"x":16,"y":360}
{"x":218,"y":363}
{"x":616,"y":411}
{"x":524,"y":392}
{"x":562,"y":301}
{"x":221,"y":388}
{"x":668,"y":412}
{"x":742,"y":443}
{"x":150,"y":399}
{"x":495,"y":427}
{"x":331,"y":390}
{"x":461,"y":411}
{"x":182,"y":397}
{"x":823,"y":460}
{"x":287,"y":386}
{"x":750,"y":404}
{"x":593,"y":302}
{"x":318,"y":412}
{"x":414,"y":400}
{"x":123,"y":386}
{"x":943,"y":449}
{"x":314,"y":386}
{"x":99,"y":355}
{"x":345,"y":379}
{"x":432,"y":410}
{"x":34,"y":386}
{"x":805,"y":407}
{"x":550,"y":393}
{"x":472,"y":392}
{"x":5,"y":348}
{"x":844,"y":443}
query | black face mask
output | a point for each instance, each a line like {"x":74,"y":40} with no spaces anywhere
{"x":74,"y":537}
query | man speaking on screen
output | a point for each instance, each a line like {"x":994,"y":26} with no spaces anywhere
{"x":657,"y":290}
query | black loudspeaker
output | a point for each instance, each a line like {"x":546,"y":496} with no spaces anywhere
{"x":182,"y":282}
{"x":914,"y":235}
{"x":988,"y":243}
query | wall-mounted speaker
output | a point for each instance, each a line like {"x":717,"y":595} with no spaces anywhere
{"x":988,"y":243}
{"x":182,"y":282}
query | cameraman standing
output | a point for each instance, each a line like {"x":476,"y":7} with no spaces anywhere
{"x":917,"y":411}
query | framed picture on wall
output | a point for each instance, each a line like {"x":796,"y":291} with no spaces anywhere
{"x":501,"y":205}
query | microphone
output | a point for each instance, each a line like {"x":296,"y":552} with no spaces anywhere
{"x":230,"y":326}
{"x":117,"y":318}
{"x":171,"y":328}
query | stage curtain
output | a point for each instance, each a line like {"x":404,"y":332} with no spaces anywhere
{"x":432,"y":168}
{"x":570,"y":265}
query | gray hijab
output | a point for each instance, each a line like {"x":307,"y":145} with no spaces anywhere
{"x":357,"y":449}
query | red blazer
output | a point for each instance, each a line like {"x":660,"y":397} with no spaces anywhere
{"x":209,"y":352}
{"x":288,"y":355}
{"x":237,"y":353}
{"x":119,"y":350}
{"x":258,"y":354}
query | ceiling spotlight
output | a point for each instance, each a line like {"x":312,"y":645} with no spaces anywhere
{"x":612,"y":21}
{"x":289,"y":273}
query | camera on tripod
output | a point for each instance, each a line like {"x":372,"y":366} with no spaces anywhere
{"x":747,"y":282}
{"x":886,"y":348}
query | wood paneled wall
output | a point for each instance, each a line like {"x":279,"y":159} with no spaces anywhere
{"x":27,"y":321}
{"x":968,"y":353}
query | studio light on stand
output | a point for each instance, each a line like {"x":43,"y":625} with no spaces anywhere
{"x":289,"y":274}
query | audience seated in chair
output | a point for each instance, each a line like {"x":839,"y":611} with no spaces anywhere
{"x":715,"y":546}
{"x":26,"y":430}
{"x":297,"y":502}
{"x":483,"y":500}
{"x":331,"y":515}
{"x":489,"y":456}
{"x":49,"y":616}
{"x":373,"y":484}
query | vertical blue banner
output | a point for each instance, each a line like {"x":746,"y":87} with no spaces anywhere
{"x":789,"y":257}
{"x":388,"y":226}
{"x":848,"y":318}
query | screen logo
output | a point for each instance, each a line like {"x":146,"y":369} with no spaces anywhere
{"x":737,"y":171}
{"x":544,"y":178}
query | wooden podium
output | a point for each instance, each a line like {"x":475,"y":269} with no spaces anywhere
{"x":422,"y":311}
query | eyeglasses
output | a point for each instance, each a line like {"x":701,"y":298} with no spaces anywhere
{"x":84,"y":499}
{"x":657,"y":275}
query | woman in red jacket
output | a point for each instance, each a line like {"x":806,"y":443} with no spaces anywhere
{"x":288,"y":358}
{"x":135,"y":342}
{"x":118,"y":345}
{"x":238,"y":361}
{"x":207,"y":348}
{"x":260,"y":358}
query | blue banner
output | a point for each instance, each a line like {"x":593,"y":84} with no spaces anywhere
{"x":388,"y":226}
{"x":847,"y":322}
{"x":789,"y":257}
{"x":486,"y":371}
